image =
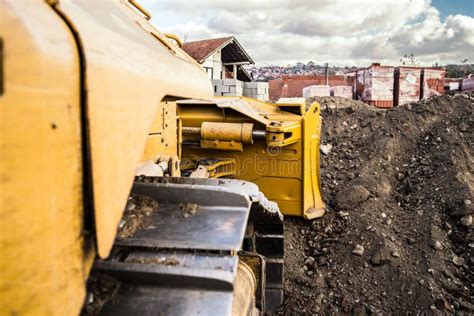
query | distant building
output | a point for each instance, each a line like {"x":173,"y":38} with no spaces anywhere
{"x":223,"y":59}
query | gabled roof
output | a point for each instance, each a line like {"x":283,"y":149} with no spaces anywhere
{"x":232,"y":51}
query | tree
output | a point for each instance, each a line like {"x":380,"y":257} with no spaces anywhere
{"x":409,"y":60}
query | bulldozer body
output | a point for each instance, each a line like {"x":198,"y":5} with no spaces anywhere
{"x":91,"y":94}
{"x":284,"y":163}
{"x":82,"y":83}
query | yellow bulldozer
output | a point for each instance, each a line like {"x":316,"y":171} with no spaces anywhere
{"x":97,"y":107}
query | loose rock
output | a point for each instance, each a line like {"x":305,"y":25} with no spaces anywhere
{"x":381,"y":256}
{"x":350,"y":198}
{"x":325,"y":148}
{"x":466,"y":220}
{"x":458,"y":261}
{"x":358,"y":250}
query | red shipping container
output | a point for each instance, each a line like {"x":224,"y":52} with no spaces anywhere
{"x":378,"y":85}
{"x":432,"y":80}
{"x":407,"y":85}
{"x":381,"y":104}
{"x":359,"y":83}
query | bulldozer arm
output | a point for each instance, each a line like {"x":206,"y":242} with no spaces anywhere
{"x":277,"y":147}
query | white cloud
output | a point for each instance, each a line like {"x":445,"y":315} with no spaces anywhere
{"x":336,"y":31}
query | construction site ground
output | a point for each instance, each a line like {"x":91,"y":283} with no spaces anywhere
{"x":397,"y":237}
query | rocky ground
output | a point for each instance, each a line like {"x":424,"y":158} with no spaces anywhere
{"x":397,"y":237}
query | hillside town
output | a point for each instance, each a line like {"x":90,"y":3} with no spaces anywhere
{"x":270,"y":72}
{"x":232,"y":72}
{"x":266,"y":73}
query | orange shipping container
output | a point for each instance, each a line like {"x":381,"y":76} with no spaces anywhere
{"x":381,"y":104}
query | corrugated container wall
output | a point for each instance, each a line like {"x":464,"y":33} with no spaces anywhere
{"x":359,"y":84}
{"x":407,"y":85}
{"x":316,"y":91}
{"x":432,"y":82}
{"x":468,"y":83}
{"x":342,"y":91}
{"x":378,"y":82}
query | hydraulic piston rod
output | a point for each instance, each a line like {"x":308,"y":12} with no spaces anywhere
{"x":241,"y":132}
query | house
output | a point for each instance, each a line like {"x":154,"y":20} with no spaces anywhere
{"x":224,"y":59}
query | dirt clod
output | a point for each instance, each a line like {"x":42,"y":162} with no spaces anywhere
{"x":153,"y":260}
{"x":100,"y":289}
{"x":138,"y":210}
{"x":189,"y":209}
{"x":381,"y":256}
{"x":350,"y":198}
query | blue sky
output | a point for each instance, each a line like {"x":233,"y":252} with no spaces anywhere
{"x":341,"y":32}
{"x":451,"y":7}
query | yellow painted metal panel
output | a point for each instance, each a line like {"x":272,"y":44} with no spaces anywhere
{"x":130,"y":68}
{"x":285,"y":165}
{"x":313,"y":203}
{"x":278,"y":171}
{"x":43,"y":261}
{"x":163,"y":134}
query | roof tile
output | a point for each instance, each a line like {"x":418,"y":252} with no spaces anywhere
{"x":200,"y":50}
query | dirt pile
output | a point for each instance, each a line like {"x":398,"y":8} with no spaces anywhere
{"x":397,"y":238}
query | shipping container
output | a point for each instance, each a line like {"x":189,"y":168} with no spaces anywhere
{"x":342,"y":91}
{"x":359,"y":84}
{"x":316,"y":91}
{"x":381,"y":104}
{"x":452,"y":84}
{"x":432,"y":80}
{"x":378,"y":85}
{"x":468,"y":83}
{"x":407,"y":85}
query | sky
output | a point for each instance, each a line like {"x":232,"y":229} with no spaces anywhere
{"x":339,"y":32}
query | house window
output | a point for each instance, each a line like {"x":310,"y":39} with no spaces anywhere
{"x":210,"y":72}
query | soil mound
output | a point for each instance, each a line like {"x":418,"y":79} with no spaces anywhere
{"x":397,"y":238}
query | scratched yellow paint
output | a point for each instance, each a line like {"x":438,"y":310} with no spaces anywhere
{"x":43,"y":263}
{"x":130,"y":67}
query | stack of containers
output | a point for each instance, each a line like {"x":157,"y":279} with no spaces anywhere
{"x":359,"y":83}
{"x":407,"y":85}
{"x":342,"y":91}
{"x":432,"y":80}
{"x":468,"y":83}
{"x":316,"y":91}
{"x":452,"y":84}
{"x":378,"y":82}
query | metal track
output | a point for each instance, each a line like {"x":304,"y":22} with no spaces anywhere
{"x":186,"y":265}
